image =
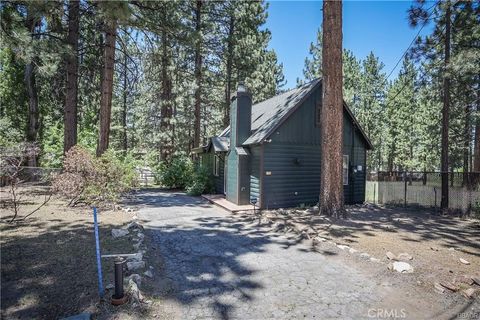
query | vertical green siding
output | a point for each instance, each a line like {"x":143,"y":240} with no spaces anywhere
{"x":219,"y":180}
{"x":255,"y":173}
{"x":293,"y":175}
{"x":208,"y":163}
{"x":292,"y":158}
{"x":232,"y":176}
{"x":354,"y":147}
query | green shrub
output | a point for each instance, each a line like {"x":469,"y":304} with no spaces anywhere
{"x":201,"y":183}
{"x":174,"y":174}
{"x":476,"y":209}
{"x":52,"y":146}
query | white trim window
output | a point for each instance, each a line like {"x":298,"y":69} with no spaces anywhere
{"x":345,"y":170}
{"x":216,"y":166}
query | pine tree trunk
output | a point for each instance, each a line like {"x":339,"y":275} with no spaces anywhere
{"x":198,"y":73}
{"x":166,"y":100}
{"x":476,"y":150}
{"x":125,"y":107}
{"x":33,"y":110}
{"x":107,"y":87}
{"x":466,"y":147}
{"x":71,"y":96}
{"x":331,"y":113}
{"x":228,"y":82}
{"x":445,"y":117}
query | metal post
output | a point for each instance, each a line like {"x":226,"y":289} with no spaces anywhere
{"x":101,"y":291}
{"x":119,"y":278}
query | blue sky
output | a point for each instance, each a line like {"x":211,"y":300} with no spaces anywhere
{"x":378,"y":26}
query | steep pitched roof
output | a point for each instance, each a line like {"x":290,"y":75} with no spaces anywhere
{"x":220,"y":144}
{"x":268,"y":115}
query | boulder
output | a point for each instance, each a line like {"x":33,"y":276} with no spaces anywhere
{"x":450,"y":286}
{"x":134,"y":225}
{"x":401,"y":267}
{"x":476,"y":280}
{"x":148,"y":274}
{"x":404,"y":256}
{"x":438,"y":287}
{"x":135,"y":265}
{"x":118,"y":233}
{"x":137,"y":245}
{"x":365,"y":255}
{"x":391,"y":256}
{"x":138,"y":257}
{"x":464,"y":261}
{"x":136,"y":278}
{"x":133,"y":291}
{"x":469,"y":293}
{"x":343,"y":247}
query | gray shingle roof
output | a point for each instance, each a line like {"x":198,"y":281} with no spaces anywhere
{"x":220,"y":144}
{"x":269,"y":114}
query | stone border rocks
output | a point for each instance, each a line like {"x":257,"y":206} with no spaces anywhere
{"x":136,"y":264}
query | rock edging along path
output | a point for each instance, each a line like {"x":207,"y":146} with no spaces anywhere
{"x":222,"y":266}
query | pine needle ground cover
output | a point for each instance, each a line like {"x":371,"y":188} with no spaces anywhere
{"x":48,"y":267}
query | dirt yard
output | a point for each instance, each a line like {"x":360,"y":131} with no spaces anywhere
{"x":48,"y":266}
{"x":435,"y":243}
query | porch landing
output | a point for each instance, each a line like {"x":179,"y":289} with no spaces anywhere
{"x":219,"y":200}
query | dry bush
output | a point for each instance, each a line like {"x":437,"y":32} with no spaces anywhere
{"x":94,"y":180}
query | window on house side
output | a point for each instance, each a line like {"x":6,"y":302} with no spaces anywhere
{"x":216,"y":166}
{"x":345,"y":170}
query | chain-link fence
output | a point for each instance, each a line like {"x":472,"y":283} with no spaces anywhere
{"x":424,"y":189}
{"x":28,"y":174}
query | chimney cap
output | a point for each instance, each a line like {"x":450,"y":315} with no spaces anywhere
{"x":241,"y":87}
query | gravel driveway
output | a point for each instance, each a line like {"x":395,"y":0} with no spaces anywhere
{"x":224,"y":266}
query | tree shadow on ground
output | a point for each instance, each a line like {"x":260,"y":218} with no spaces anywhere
{"x":207,"y":264}
{"x":422,"y":225}
{"x":413,"y":225}
{"x":48,"y":270}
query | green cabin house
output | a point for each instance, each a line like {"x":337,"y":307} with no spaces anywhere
{"x":270,"y":153}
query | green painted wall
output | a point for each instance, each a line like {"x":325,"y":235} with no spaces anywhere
{"x":292,"y":160}
{"x":232,"y":176}
{"x":255,"y":172}
{"x":208,"y":162}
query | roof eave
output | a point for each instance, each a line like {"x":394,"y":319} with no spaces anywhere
{"x":357,"y":124}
